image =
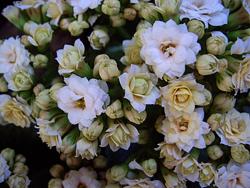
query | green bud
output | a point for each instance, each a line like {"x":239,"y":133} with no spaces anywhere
{"x":148,"y":11}
{"x":224,"y":81}
{"x":209,"y":138}
{"x":44,"y":101}
{"x":118,"y":172}
{"x":98,"y":38}
{"x":53,"y":90}
{"x":214,"y":152}
{"x":216,"y":45}
{"x":149,"y":166}
{"x":40,"y":61}
{"x":196,"y":27}
{"x":168,"y":7}
{"x":76,"y":27}
{"x":111,"y":7}
{"x":69,"y":141}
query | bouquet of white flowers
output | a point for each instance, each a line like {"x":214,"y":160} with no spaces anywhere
{"x":153,"y":93}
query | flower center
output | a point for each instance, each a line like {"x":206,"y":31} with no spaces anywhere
{"x":168,"y":48}
{"x":238,"y":126}
{"x":183,"y":124}
{"x":182,"y":95}
{"x":80,"y":103}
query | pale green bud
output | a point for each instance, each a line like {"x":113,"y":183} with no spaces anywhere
{"x":8,"y":154}
{"x":20,"y":158}
{"x":132,"y":115}
{"x":117,"y":20}
{"x":148,"y":11}
{"x":223,"y":103}
{"x":40,"y":61}
{"x":149,"y":166}
{"x":100,"y":162}
{"x":94,"y":130}
{"x":55,"y":183}
{"x":3,"y":85}
{"x":76,"y":27}
{"x":53,"y":90}
{"x":57,"y":171}
{"x":240,"y":154}
{"x":209,"y":138}
{"x":98,"y":38}
{"x":129,"y":14}
{"x":216,"y":45}
{"x":115,"y":110}
{"x":196,"y":27}
{"x":44,"y":101}
{"x":214,"y":152}
{"x":169,"y":7}
{"x":64,"y":23}
{"x":118,"y":172}
{"x":20,"y":169}
{"x":69,"y":141}
{"x":19,"y":181}
{"x":73,"y":162}
{"x":208,"y":64}
{"x":111,"y":7}
{"x":224,"y":81}
{"x":215,"y":121}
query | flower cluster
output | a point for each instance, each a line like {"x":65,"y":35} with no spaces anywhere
{"x":163,"y":84}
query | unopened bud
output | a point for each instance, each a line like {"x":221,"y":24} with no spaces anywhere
{"x":57,"y":171}
{"x":214,"y":152}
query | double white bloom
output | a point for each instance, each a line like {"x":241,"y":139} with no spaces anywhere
{"x":83,"y":99}
{"x":168,"y":47}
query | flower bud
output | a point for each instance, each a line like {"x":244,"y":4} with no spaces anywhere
{"x":44,"y":101}
{"x":216,"y":45}
{"x":117,"y":20}
{"x":3,"y":85}
{"x":240,"y":154}
{"x":208,"y":64}
{"x":214,"y":152}
{"x":40,"y":61}
{"x":73,"y":162}
{"x":19,"y":181}
{"x":148,"y":11}
{"x":223,"y":103}
{"x":143,"y":136}
{"x":69,"y":141}
{"x":8,"y":154}
{"x":129,"y":14}
{"x":209,"y":138}
{"x":132,"y":115}
{"x":98,"y":38}
{"x":111,"y":7}
{"x":64,"y":23}
{"x":118,"y":172}
{"x":55,"y":183}
{"x":149,"y":166}
{"x":115,"y":111}
{"x":169,"y":7}
{"x":20,"y":169}
{"x":20,"y":158}
{"x":94,"y":130}
{"x":100,"y":162}
{"x":224,"y":81}
{"x":53,"y":90}
{"x":76,"y":27}
{"x":196,"y":27}
{"x":57,"y":171}
{"x":214,"y":121}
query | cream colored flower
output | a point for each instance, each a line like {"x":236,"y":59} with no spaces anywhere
{"x":55,"y":10}
{"x":234,"y":175}
{"x":12,"y":54}
{"x":119,"y":135}
{"x":207,"y":174}
{"x":4,"y":169}
{"x":82,"y":99}
{"x":186,"y":131}
{"x":94,"y":130}
{"x":81,"y":6}
{"x":181,"y":95}
{"x":235,"y":129}
{"x":141,"y":183}
{"x":70,"y":57}
{"x":168,"y":47}
{"x":139,"y":86}
{"x":84,"y":177}
{"x":174,"y":181}
{"x":13,"y":111}
{"x":86,"y":149}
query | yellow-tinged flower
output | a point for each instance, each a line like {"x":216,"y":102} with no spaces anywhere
{"x":207,"y":174}
{"x":182,"y":94}
{"x":115,"y":110}
{"x":94,"y":130}
{"x":86,"y":149}
{"x":240,"y":154}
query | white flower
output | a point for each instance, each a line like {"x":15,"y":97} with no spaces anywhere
{"x":86,"y":149}
{"x":186,"y":130}
{"x":168,"y":47}
{"x":81,"y":6}
{"x":4,"y":169}
{"x":241,"y":47}
{"x":139,"y":86}
{"x":83,"y":99}
{"x":234,"y":175}
{"x":12,"y":54}
{"x":141,"y":183}
{"x":70,"y":57}
{"x":84,"y":177}
{"x":26,"y":4}
{"x":208,"y":11}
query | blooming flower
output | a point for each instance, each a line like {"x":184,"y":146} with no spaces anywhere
{"x":82,"y":99}
{"x":12,"y":54}
{"x":241,"y":46}
{"x":86,"y":149}
{"x":186,"y":130}
{"x":139,"y":86}
{"x":84,"y":177}
{"x":233,"y":175}
{"x":181,"y":95}
{"x":208,"y":11}
{"x":168,"y":47}
{"x":81,"y":6}
{"x":142,"y":183}
{"x":4,"y":169}
{"x":235,"y":128}
{"x":70,"y":57}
